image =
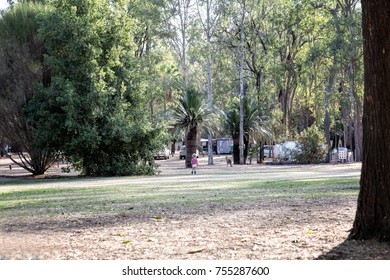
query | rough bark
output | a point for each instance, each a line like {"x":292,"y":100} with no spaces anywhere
{"x":372,"y":220}
{"x":236,"y":150}
{"x":191,"y":144}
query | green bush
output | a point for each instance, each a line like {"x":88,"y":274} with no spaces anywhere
{"x":311,"y":145}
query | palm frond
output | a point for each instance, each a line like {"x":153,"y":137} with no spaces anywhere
{"x":191,"y":110}
{"x":254,"y":125}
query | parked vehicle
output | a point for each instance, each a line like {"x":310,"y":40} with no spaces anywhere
{"x":266,"y":151}
{"x":286,"y":150}
{"x":183,"y":152}
{"x":163,"y":154}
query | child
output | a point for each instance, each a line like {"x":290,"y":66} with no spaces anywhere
{"x":194,"y":163}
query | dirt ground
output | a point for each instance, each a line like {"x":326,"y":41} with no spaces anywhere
{"x":304,"y":228}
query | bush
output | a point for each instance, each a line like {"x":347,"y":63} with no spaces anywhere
{"x":311,"y":145}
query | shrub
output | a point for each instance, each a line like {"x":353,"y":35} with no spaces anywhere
{"x":311,"y":145}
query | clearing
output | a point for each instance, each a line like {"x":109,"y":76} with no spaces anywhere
{"x":242,"y":212}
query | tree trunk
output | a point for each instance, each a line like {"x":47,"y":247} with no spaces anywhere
{"x":181,"y":9}
{"x":242,"y":41}
{"x":260,"y":154}
{"x":357,"y":117}
{"x":191,"y":144}
{"x":210,"y":160}
{"x":236,"y":150}
{"x":328,"y":93}
{"x":372,"y":220}
{"x":246,"y":147}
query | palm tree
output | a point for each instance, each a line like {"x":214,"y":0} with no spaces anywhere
{"x":191,"y":114}
{"x":231,"y":124}
{"x":253,"y":126}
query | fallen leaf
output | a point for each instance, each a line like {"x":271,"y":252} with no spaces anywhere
{"x":151,"y":239}
{"x":126,"y":241}
{"x":196,"y":251}
{"x":158,"y":218}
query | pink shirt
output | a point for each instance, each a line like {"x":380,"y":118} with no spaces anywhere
{"x":194,"y":161}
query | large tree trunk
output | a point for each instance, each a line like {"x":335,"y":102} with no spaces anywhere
{"x":372,"y":219}
{"x":191,"y":144}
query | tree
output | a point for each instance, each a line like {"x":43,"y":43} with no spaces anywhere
{"x":94,"y":94}
{"x":209,"y":26}
{"x":169,"y":77}
{"x":191,"y":114}
{"x":256,"y":34}
{"x":155,"y":62}
{"x":242,"y":55}
{"x":233,"y":37}
{"x":179,"y":39}
{"x":21,"y":69}
{"x":252,"y":125}
{"x":293,"y":28}
{"x":372,"y":220}
{"x":311,"y":143}
{"x":351,"y":64}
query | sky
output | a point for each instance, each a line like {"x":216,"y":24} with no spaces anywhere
{"x":3,"y":4}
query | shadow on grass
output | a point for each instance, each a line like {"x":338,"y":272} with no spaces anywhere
{"x":67,"y":222}
{"x":59,"y":208}
{"x":358,"y":250}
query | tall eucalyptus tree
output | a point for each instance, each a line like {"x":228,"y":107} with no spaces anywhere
{"x":212,"y":14}
{"x":292,"y":25}
{"x":350,"y":11}
{"x":180,"y":19}
{"x":241,"y":63}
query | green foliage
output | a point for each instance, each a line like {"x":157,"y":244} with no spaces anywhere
{"x":232,"y":117}
{"x":311,"y":145}
{"x":21,"y":68}
{"x":254,"y":126}
{"x":191,"y":110}
{"x":93,"y":102}
{"x":191,"y":114}
{"x":100,"y":69}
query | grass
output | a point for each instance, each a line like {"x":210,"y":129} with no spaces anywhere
{"x":39,"y":200}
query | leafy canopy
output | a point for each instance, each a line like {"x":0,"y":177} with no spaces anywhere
{"x":93,"y":101}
